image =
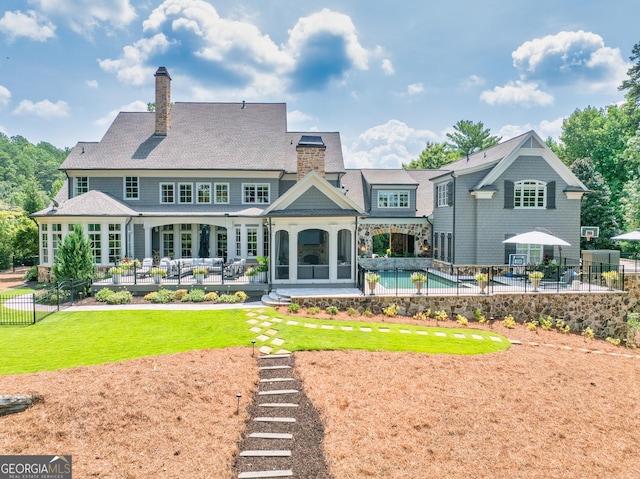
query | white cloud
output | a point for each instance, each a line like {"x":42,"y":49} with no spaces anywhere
{"x":570,"y":57}
{"x":296,"y":120}
{"x":387,"y":146}
{"x":29,"y":25}
{"x":43,"y":109}
{"x":5,"y":96}
{"x":107,"y":119}
{"x":520,"y":93}
{"x":84,"y":15}
{"x":415,"y":89}
{"x":92,"y":83}
{"x":473,"y":81}
{"x":387,"y":67}
{"x":546,"y":128}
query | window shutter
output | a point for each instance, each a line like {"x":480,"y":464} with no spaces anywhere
{"x":450,"y":193}
{"x":508,"y":195}
{"x":435,"y":196}
{"x":551,"y":195}
{"x":509,"y":248}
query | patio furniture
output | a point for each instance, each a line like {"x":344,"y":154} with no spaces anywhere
{"x":145,"y":270}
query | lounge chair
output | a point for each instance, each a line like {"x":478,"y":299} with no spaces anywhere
{"x":145,"y":270}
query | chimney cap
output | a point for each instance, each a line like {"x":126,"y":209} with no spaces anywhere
{"x":162,"y":71}
{"x":310,"y":140}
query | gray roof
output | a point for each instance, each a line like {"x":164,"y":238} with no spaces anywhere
{"x":202,"y":136}
{"x":92,"y":203}
{"x":425,"y":190}
{"x":381,"y":176}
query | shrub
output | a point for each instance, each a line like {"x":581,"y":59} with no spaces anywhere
{"x":633,"y":328}
{"x":418,"y":276}
{"x":150,"y":296}
{"x":423,"y":315}
{"x":313,"y":310}
{"x":536,"y":275}
{"x":441,"y":315}
{"x":368,"y":313}
{"x":562,"y":326}
{"x":179,"y":294}
{"x":120,"y":297}
{"x":195,"y":296}
{"x":352,"y":311}
{"x":241,"y":295}
{"x":228,"y":298}
{"x":212,"y":296}
{"x":546,"y":323}
{"x":116,"y":270}
{"x":615,"y":342}
{"x":509,"y":321}
{"x":31,"y":274}
{"x":532,"y":326}
{"x":481,"y":318}
{"x":332,"y":310}
{"x":588,"y":333}
{"x":162,"y":296}
{"x":462,"y":320}
{"x":104,"y":294}
{"x":391,"y":310}
{"x":370,"y":277}
{"x":481,"y":277}
{"x":293,"y":308}
{"x":158,"y":271}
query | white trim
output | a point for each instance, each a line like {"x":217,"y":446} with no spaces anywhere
{"x":397,"y":192}
{"x":483,"y":195}
{"x":124,"y":188}
{"x":215,"y":195}
{"x":173,"y":185}
{"x":530,"y":185}
{"x":574,"y":195}
{"x":75,"y":185}
{"x":179,"y":195}
{"x":255,"y":185}
{"x":197,"y":191}
{"x":176,"y":174}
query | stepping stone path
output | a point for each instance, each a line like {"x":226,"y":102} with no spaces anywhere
{"x":283,"y":437}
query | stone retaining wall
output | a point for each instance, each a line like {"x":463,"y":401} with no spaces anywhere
{"x":393,"y":263}
{"x":603,"y":312}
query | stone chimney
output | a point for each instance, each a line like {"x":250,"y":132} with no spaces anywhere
{"x":310,"y":150}
{"x":163,"y":102}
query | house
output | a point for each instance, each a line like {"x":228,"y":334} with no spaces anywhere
{"x":228,"y":180}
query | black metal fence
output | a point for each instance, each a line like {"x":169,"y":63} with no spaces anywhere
{"x":448,"y":280}
{"x":33,"y":307}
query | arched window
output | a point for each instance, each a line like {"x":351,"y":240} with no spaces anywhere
{"x":530,"y":194}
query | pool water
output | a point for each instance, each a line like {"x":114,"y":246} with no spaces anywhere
{"x":388,"y":280}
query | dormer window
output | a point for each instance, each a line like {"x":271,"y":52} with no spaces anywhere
{"x":393,"y":199}
{"x":81,"y":185}
{"x":530,"y":194}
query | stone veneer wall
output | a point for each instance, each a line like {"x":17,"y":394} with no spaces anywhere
{"x":366,"y":232}
{"x":604,"y":312}
{"x":393,"y":263}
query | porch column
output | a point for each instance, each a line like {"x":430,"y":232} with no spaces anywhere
{"x":104,"y":232}
{"x":231,"y":242}
{"x":148,"y":230}
{"x":243,"y":241}
{"x":293,"y":253}
{"x":333,"y":252}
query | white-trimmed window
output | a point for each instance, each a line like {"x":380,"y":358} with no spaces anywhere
{"x":222,"y":193}
{"x":393,"y":199}
{"x":115,"y":242}
{"x":252,"y":241}
{"x":533,"y":252}
{"x":95,"y":238}
{"x":167,"y":193}
{"x":56,"y":238}
{"x":238,"y":241}
{"x":131,"y":188}
{"x":186,"y":241}
{"x":530,"y":194}
{"x":185,"y":192}
{"x":442,"y":196}
{"x":203,"y":193}
{"x":168,"y":248}
{"x":253,"y":193}
{"x":80,"y":185}
{"x":44,"y":243}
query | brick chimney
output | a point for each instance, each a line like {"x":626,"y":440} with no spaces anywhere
{"x":163,"y":101}
{"x":311,"y":152}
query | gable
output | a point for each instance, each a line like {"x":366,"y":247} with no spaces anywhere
{"x":312,"y":199}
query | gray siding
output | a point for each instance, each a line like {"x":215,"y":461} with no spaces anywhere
{"x":391,"y":212}
{"x":138,"y":241}
{"x":481,"y":225}
{"x":312,"y":199}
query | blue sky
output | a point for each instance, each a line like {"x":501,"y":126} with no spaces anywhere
{"x":389,"y":76}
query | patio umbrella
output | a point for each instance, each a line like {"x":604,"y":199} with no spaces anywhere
{"x":204,"y":242}
{"x":630,"y":236}
{"x":539,"y":237}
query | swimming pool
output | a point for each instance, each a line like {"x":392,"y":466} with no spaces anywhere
{"x":388,"y":280}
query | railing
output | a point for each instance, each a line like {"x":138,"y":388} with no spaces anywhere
{"x":178,"y":273}
{"x":449,"y":280}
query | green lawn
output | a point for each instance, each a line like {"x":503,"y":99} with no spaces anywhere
{"x":69,"y":339}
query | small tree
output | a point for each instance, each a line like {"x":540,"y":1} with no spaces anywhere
{"x":74,"y":259}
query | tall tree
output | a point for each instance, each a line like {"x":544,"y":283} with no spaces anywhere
{"x":433,"y":157}
{"x":632,"y":84}
{"x":74,"y":259}
{"x":597,"y":208}
{"x":630,"y":204}
{"x":470,"y":137}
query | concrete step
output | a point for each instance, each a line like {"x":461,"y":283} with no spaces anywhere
{"x":266,"y":453}
{"x":269,"y":368}
{"x":276,"y":380}
{"x":275,"y":356}
{"x":276,"y":297}
{"x":271,"y":435}
{"x":277,"y":392}
{"x":267,"y":301}
{"x":278,"y":404}
{"x":275,"y":419}
{"x":265,"y":474}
